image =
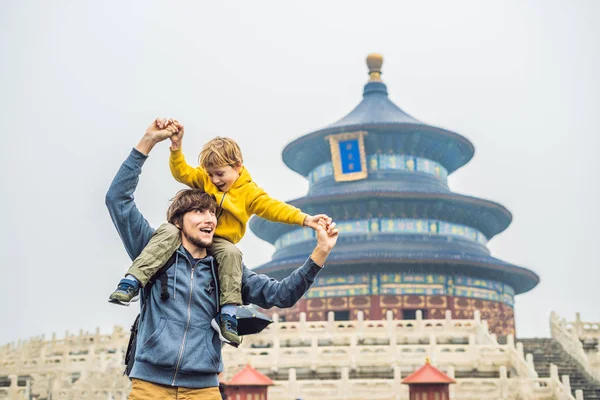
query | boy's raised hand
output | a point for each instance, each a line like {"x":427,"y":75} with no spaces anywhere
{"x":312,"y":221}
{"x":177,"y":136}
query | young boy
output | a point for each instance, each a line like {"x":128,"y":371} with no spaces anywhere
{"x":222,"y":174}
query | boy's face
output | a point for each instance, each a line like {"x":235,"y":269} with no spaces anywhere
{"x":224,"y":176}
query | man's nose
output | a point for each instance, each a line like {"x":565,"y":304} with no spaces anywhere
{"x":209,"y":217}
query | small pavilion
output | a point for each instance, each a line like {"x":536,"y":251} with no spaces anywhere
{"x":428,"y":383}
{"x":247,"y":384}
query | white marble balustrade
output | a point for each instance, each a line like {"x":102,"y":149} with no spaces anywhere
{"x":89,"y":365}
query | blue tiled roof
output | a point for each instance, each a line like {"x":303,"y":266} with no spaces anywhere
{"x":378,"y":115}
{"x":376,"y":108}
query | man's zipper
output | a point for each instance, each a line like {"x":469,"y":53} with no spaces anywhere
{"x":217,"y":286}
{"x":187,"y":326}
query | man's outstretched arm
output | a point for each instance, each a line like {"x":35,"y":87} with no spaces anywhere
{"x":133,"y":228}
{"x":267,"y":292}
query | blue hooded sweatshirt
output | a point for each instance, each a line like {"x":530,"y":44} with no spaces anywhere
{"x":176,"y":345}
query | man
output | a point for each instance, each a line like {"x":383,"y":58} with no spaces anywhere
{"x":178,"y":353}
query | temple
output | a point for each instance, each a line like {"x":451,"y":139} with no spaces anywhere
{"x":407,"y":241}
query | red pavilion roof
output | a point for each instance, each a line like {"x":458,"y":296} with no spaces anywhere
{"x":428,"y":374}
{"x":248,"y":376}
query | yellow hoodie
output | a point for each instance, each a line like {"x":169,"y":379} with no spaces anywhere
{"x":239,"y":203}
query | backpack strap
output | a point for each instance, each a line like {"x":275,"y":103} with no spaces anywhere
{"x":130,"y":353}
{"x":162,"y":276}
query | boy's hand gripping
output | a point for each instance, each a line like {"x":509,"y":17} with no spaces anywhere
{"x":312,"y":221}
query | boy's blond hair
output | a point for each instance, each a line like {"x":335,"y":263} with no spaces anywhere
{"x":220,"y":151}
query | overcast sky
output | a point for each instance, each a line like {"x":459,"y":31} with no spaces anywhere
{"x":81,"y":80}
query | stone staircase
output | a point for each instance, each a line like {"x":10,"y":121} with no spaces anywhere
{"x":549,"y":351}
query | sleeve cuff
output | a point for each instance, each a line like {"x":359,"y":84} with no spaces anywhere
{"x":136,"y":157}
{"x":301,"y":218}
{"x":313,"y":265}
{"x":176,"y":153}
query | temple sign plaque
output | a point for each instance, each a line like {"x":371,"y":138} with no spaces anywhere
{"x":348,"y":156}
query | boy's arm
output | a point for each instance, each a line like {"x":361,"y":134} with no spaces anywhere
{"x":185,"y":173}
{"x":267,"y":292}
{"x":273,"y":210}
{"x":133,"y":228}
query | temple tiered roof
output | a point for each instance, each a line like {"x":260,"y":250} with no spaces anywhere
{"x":407,"y":241}
{"x":377,"y":112}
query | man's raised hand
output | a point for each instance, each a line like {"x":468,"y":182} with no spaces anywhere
{"x":327,"y":236}
{"x":162,"y":128}
{"x":159,"y":130}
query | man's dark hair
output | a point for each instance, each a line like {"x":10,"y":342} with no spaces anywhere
{"x":187,"y":200}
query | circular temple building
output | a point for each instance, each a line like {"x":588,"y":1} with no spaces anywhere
{"x":407,"y":241}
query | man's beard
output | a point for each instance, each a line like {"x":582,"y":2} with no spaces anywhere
{"x":196,"y":241}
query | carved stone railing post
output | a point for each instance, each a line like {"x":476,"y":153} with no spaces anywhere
{"x":520,"y":350}
{"x":452,"y":374}
{"x":432,"y":350}
{"x":302,"y":326}
{"x":510,"y":341}
{"x":360,"y":325}
{"x":397,"y":385}
{"x":473,"y":350}
{"x":293,"y":384}
{"x":529,"y":359}
{"x":344,"y":385}
{"x":353,"y":351}
{"x":390,"y":326}
{"x":13,"y":388}
{"x":503,"y":382}
{"x":419,"y":320}
{"x":578,"y":325}
{"x":314,"y":352}
{"x":330,"y":323}
{"x":554,"y":377}
{"x":566,"y":383}
{"x":276,"y":344}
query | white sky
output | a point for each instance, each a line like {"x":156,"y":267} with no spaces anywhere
{"x":81,"y":80}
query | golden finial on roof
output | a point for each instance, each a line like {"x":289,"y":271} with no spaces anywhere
{"x":427,"y":360}
{"x":374,"y":62}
